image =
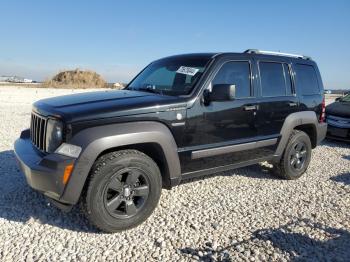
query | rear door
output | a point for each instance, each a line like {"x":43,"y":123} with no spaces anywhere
{"x":277,"y":96}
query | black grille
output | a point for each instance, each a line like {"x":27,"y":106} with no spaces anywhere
{"x":38,"y":131}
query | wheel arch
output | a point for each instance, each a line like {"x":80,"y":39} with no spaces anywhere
{"x":304,"y":121}
{"x":152,"y":138}
{"x":310,"y":130}
{"x":154,"y":151}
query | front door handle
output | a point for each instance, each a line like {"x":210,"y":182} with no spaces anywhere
{"x":250,"y":108}
{"x":292,"y":104}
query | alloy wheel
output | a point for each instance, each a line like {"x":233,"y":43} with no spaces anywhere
{"x":298,"y":156}
{"x":126,"y":193}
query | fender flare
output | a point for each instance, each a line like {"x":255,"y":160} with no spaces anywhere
{"x":294,"y":120}
{"x":95,"y":140}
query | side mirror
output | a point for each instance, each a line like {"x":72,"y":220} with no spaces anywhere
{"x":222,"y":92}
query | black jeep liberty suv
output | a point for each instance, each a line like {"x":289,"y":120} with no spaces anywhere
{"x":182,"y":116}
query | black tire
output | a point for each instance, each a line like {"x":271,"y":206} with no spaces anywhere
{"x":289,"y":168}
{"x":110,"y":202}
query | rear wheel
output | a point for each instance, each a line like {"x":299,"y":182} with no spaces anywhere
{"x":123,"y":191}
{"x":296,"y":156}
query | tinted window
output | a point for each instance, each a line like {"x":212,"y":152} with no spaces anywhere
{"x":235,"y":73}
{"x":289,"y":88}
{"x":345,"y":98}
{"x":273,"y":82}
{"x":306,"y":79}
{"x":161,"y":77}
{"x":171,"y":76}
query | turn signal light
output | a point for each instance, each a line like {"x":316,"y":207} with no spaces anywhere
{"x":67,"y":172}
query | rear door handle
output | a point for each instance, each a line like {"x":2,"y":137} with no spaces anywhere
{"x":292,"y":104}
{"x":250,"y":108}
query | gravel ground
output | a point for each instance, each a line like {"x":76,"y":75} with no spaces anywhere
{"x":245,"y":214}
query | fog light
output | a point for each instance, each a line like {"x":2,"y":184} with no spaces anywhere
{"x":67,"y":172}
{"x":69,"y":150}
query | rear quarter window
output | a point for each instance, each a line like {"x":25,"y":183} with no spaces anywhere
{"x":306,"y":79}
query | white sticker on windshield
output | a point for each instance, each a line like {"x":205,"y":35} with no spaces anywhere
{"x":187,"y":70}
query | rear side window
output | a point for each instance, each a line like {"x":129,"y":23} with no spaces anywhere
{"x":306,"y":79}
{"x":275,"y":79}
{"x":235,"y":73}
{"x":287,"y":77}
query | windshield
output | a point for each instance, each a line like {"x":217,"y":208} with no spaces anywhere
{"x":170,"y":76}
{"x":345,"y":98}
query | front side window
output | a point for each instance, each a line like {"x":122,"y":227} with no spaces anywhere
{"x":170,"y":76}
{"x":235,"y":73}
{"x":306,"y":79}
{"x":275,"y":79}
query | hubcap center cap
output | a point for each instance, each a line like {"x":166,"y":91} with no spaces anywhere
{"x":127,"y":192}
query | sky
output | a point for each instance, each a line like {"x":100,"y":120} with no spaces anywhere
{"x":118,"y":38}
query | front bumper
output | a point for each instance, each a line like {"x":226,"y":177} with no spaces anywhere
{"x":43,"y":172}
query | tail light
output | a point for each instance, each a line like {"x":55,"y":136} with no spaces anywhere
{"x":323,"y":112}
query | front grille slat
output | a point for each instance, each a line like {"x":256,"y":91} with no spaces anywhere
{"x":40,"y":135}
{"x":34,"y":133}
{"x":34,"y":130}
{"x":31,"y":127}
{"x":45,"y":127}
{"x":38,"y":131}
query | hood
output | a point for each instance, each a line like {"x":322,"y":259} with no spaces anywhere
{"x":103,"y":104}
{"x":341,"y":109}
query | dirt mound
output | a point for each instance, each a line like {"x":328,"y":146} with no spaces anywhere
{"x":76,"y":79}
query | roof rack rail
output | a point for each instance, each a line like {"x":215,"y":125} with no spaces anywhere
{"x":257,"y":51}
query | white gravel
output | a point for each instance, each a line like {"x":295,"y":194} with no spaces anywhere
{"x":245,"y":214}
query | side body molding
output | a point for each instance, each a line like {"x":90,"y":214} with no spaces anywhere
{"x":297,"y":119}
{"x":95,"y":140}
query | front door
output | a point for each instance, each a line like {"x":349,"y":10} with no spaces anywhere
{"x":214,"y":130}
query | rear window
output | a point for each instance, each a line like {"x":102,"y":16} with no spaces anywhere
{"x":275,"y":79}
{"x":306,"y":79}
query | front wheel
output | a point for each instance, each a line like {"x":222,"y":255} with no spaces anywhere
{"x":123,"y":190}
{"x":296,"y":156}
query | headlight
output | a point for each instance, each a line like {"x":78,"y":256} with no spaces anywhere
{"x":54,"y":135}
